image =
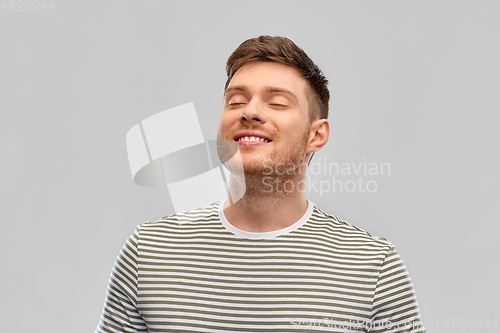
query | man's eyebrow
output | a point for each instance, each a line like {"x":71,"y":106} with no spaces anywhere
{"x":266,"y":89}
{"x":235,"y":88}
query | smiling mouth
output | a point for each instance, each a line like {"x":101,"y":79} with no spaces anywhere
{"x":252,"y":139}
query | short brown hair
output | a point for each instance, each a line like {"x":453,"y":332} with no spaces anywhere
{"x":282,"y":50}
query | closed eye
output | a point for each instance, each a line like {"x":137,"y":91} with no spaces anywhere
{"x":234,"y":105}
{"x":280,"y":106}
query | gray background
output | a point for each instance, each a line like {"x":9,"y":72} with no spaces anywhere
{"x":414,"y":84}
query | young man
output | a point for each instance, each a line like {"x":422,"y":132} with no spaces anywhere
{"x":267,"y":260}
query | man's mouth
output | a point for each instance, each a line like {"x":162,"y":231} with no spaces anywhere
{"x":251,"y":138}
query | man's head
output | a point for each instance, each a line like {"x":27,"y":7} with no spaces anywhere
{"x":282,"y":50}
{"x":273,"y":100}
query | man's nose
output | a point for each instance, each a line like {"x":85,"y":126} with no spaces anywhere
{"x":252,"y":113}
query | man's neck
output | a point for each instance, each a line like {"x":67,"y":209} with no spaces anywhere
{"x":261,"y":209}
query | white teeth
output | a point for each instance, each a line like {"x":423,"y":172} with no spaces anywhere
{"x":252,"y":138}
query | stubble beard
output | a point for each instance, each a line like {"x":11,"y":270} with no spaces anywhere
{"x":269,"y":178}
{"x":278,"y":174}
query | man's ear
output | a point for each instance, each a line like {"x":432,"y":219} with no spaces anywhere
{"x":318,"y":135}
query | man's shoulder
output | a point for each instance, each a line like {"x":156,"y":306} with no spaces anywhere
{"x":196,"y":217}
{"x":344,"y":231}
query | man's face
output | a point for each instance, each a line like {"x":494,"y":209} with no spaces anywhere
{"x":272,"y":97}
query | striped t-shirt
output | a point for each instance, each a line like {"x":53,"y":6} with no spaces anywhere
{"x":195,"y":272}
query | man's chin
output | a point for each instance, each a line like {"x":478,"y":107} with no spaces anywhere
{"x":253,"y":165}
{"x":254,"y":170}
